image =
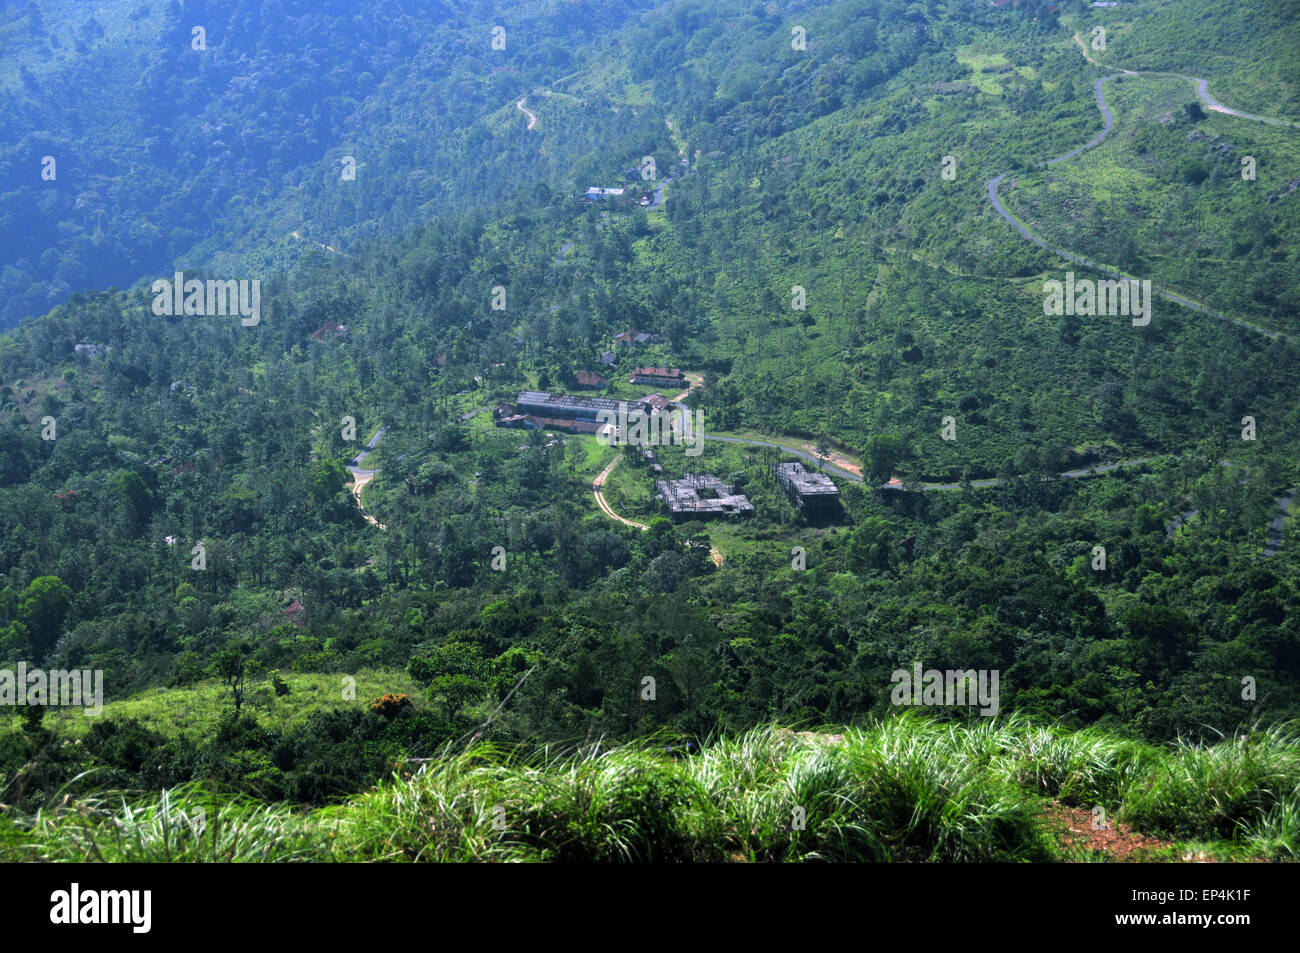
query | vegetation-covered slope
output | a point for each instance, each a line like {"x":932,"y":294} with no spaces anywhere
{"x":820,"y":169}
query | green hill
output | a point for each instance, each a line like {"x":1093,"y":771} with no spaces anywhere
{"x":1097,"y":511}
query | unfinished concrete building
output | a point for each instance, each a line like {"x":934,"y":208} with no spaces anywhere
{"x":809,"y":492}
{"x":701,"y":495}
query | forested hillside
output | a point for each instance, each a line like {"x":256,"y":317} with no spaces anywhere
{"x":171,"y":156}
{"x":839,"y":219}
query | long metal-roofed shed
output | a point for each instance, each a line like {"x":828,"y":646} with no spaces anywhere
{"x":569,"y":406}
{"x":806,"y":490}
{"x":540,"y":410}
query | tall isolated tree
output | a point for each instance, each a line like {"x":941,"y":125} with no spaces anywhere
{"x":42,"y":608}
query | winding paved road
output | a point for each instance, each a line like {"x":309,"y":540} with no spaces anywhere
{"x":532,"y":117}
{"x":1108,"y":124}
{"x":361,"y":477}
{"x":1076,"y":474}
{"x":808,"y":457}
{"x":1218,"y":107}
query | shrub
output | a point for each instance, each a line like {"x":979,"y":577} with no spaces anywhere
{"x":390,"y":705}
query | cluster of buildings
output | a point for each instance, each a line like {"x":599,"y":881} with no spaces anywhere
{"x":597,"y":193}
{"x":695,"y":495}
{"x":637,"y":337}
{"x":609,"y":359}
{"x":701,"y":495}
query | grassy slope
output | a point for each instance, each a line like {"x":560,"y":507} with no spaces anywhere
{"x":908,"y":789}
{"x":196,"y":710}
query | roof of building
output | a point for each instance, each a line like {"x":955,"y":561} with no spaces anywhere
{"x":656,"y":401}
{"x":657,"y":372}
{"x":684,"y":495}
{"x":543,"y":399}
{"x":588,"y":379}
{"x":516,"y":419}
{"x":806,"y":483}
{"x":635,"y":337}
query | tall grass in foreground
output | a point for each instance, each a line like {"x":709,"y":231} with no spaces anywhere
{"x":185,"y":824}
{"x":906,"y":789}
{"x":1197,"y":791}
{"x":1084,"y":767}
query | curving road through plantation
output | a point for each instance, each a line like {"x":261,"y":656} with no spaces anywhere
{"x":1108,"y":118}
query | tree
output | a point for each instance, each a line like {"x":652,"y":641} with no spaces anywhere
{"x":453,"y":692}
{"x":882,"y":455}
{"x":328,"y":477}
{"x":454,"y":674}
{"x":135,"y":499}
{"x":871,"y":545}
{"x":41,"y":611}
{"x":1161,"y":637}
{"x":390,"y":705}
{"x":231,"y":667}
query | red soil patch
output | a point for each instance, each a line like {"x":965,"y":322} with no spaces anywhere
{"x":1119,"y":843}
